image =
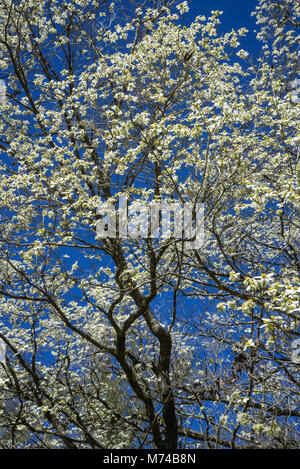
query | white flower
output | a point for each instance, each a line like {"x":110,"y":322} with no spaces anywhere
{"x":223,"y":419}
{"x":243,"y":54}
{"x":183,"y":7}
{"x":250,"y":343}
{"x":242,"y":418}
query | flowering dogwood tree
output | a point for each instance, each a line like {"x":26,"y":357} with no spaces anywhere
{"x":111,"y":342}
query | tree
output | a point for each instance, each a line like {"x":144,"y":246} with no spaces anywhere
{"x":119,"y":342}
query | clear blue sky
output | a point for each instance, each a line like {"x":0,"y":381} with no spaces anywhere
{"x":236,"y":14}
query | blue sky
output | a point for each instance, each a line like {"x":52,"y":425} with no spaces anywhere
{"x":236,"y":14}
